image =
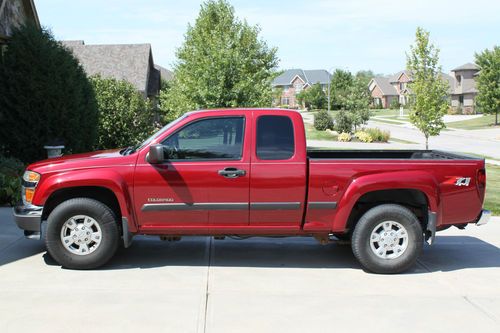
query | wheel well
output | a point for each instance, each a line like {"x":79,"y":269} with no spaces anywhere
{"x":414,"y":200}
{"x":102,"y":194}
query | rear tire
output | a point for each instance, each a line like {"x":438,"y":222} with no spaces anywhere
{"x":387,"y":239}
{"x":82,"y":233}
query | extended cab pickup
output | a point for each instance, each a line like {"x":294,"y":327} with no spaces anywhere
{"x":248,"y":172}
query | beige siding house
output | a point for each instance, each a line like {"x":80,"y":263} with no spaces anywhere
{"x":461,"y":88}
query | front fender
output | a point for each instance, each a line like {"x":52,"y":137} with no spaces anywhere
{"x":413,"y":180}
{"x":105,"y":178}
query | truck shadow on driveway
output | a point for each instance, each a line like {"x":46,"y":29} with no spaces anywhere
{"x":449,"y":253}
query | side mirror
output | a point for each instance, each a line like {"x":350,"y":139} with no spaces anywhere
{"x":156,"y":154}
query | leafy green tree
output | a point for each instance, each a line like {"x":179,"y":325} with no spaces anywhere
{"x":343,"y":122}
{"x":356,"y":101}
{"x":429,"y":102}
{"x":365,"y":76}
{"x":313,"y":97}
{"x":488,"y":81}
{"x":222,"y":63}
{"x":45,"y":97}
{"x":125,"y":116}
{"x":340,"y":83}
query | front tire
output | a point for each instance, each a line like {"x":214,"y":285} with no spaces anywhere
{"x":387,"y":239}
{"x":82,"y":233}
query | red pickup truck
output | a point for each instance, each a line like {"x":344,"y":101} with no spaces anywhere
{"x":248,"y":172}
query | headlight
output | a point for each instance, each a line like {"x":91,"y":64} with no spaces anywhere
{"x":31,"y":176}
{"x":30,"y":180}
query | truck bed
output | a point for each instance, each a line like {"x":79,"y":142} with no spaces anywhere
{"x":387,"y":154}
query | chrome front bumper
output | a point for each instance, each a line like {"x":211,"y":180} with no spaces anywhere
{"x":484,"y":217}
{"x":29,"y":219}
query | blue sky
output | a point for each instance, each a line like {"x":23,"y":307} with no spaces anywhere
{"x":311,"y":34}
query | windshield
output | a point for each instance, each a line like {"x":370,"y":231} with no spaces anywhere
{"x":159,"y":133}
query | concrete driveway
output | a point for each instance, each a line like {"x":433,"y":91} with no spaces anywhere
{"x":255,"y":285}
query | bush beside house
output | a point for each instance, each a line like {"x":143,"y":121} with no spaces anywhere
{"x":125,"y":116}
{"x":44,"y":96}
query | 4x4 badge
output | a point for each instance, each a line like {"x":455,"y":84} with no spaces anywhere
{"x":463,"y":181}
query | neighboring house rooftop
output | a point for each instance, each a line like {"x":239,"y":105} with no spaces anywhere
{"x":309,"y":77}
{"x":466,"y":67}
{"x":385,"y":86}
{"x":166,"y":74}
{"x":128,"y":62}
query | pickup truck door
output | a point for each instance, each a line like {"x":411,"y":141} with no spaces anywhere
{"x":204,"y":182}
{"x":278,"y":175}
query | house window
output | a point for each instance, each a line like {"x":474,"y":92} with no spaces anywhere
{"x":285,"y":88}
{"x":459,"y":80}
{"x":401,"y":86}
{"x":461,"y":99}
{"x":285,"y":101}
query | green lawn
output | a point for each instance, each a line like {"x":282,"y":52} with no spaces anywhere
{"x":388,"y":112}
{"x":485,"y":121}
{"x":314,"y":134}
{"x":492,"y":200}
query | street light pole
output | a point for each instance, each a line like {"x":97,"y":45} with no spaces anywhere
{"x":329,"y":82}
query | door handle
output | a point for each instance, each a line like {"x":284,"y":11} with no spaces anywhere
{"x":232,"y":172}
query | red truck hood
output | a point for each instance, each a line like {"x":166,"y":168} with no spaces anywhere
{"x":77,"y":161}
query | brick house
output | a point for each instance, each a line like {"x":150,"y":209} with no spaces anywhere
{"x":13,"y":14}
{"x":292,"y":81}
{"x":461,"y":88}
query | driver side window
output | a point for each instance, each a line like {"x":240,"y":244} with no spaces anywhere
{"x":212,"y":138}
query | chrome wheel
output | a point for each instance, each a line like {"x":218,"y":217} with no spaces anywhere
{"x":81,"y":235}
{"x":389,"y":240}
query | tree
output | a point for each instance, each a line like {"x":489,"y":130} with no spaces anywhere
{"x":488,"y":81}
{"x":356,"y":101}
{"x":222,"y":63}
{"x":341,"y":81}
{"x":365,"y":76}
{"x":429,"y":102}
{"x":313,"y":97}
{"x":45,"y":97}
{"x":125,"y":116}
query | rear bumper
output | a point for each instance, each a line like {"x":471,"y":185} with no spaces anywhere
{"x":484,"y":217}
{"x":28,"y":218}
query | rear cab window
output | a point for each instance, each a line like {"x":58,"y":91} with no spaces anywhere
{"x":275,"y":138}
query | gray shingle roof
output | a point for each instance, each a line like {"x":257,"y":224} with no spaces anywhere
{"x":310,"y":77}
{"x":166,"y":74}
{"x":129,"y":62}
{"x":385,"y":86}
{"x":466,"y":67}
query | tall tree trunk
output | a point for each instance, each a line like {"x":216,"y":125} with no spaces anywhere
{"x":426,"y":142}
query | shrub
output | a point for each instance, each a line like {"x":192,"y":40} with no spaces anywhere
{"x":344,"y":137}
{"x":363,"y":136}
{"x":11,"y":170}
{"x":343,"y":122}
{"x":378,"y":135}
{"x":125,"y":117}
{"x":44,"y":96}
{"x":323,"y":121}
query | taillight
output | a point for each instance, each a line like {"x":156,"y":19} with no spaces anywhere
{"x":481,"y":178}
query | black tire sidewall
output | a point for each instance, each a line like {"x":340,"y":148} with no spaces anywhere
{"x":102,"y":214}
{"x":372,"y":218}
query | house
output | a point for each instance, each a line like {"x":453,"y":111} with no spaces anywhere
{"x":13,"y":14}
{"x":129,"y":62}
{"x":292,"y":81}
{"x":464,"y":88}
{"x":461,"y":88}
